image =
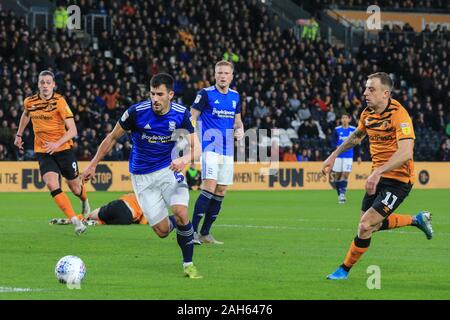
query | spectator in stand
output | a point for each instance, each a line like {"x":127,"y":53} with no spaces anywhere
{"x":271,"y":65}
{"x":290,"y":155}
{"x":308,"y":129}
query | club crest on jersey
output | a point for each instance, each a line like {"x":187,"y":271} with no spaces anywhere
{"x":172,"y":125}
{"x":234,"y":104}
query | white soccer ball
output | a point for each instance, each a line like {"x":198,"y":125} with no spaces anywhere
{"x":70,"y":270}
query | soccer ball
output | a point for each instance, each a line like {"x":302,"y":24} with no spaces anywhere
{"x":70,"y":270}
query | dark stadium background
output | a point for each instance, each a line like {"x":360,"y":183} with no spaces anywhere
{"x":286,"y":79}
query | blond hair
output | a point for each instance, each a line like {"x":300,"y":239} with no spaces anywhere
{"x":224,"y":63}
{"x":384,"y":79}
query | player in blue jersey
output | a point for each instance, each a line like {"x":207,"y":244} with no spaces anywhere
{"x":155,"y":172}
{"x":344,"y":162}
{"x":217,"y":111}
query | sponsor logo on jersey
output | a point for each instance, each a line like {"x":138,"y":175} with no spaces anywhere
{"x":223,"y":113}
{"x":406,"y":129}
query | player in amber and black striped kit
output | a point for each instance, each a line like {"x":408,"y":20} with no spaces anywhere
{"x":54,"y":128}
{"x":391,"y":138}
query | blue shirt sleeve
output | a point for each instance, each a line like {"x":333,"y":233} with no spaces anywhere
{"x":201,"y":101}
{"x":238,"y":107}
{"x":335,"y":138}
{"x":187,"y":123}
{"x":127,"y":121}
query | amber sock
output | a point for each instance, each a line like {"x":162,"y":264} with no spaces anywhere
{"x":357,"y":249}
{"x":396,"y":221}
{"x":63,"y":202}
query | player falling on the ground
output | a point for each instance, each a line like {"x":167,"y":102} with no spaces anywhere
{"x":391,"y":138}
{"x":344,"y":161}
{"x":156,"y":177}
{"x":218,"y":111}
{"x":54,"y":129}
{"x":123,"y":211}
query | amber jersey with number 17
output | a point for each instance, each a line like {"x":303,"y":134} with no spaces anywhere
{"x":384,"y":130}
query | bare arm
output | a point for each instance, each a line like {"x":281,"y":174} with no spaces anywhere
{"x":354,"y":139}
{"x":402,"y":155}
{"x":24,"y":120}
{"x":238,"y":127}
{"x":103,"y":150}
{"x":195,"y":151}
{"x":71,"y":133}
{"x":195,"y":114}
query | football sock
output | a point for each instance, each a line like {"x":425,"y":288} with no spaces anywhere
{"x":211,"y":214}
{"x":339,"y":186}
{"x":396,"y":221}
{"x":172,"y":223}
{"x":344,"y":186}
{"x":201,"y":205}
{"x":63,"y":202}
{"x":357,"y":249}
{"x":185,"y":239}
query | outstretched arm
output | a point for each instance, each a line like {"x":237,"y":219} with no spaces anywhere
{"x":51,"y":147}
{"x":354,"y":139}
{"x":103,"y":150}
{"x":179,"y":164}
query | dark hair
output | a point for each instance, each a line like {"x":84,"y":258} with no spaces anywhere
{"x":162,"y":79}
{"x":346,"y":114}
{"x":384,"y":79}
{"x":47,"y":73}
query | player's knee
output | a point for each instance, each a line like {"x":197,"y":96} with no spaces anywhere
{"x":220,"y":190}
{"x":160,"y":232}
{"x":52,"y":185}
{"x":365,"y":226}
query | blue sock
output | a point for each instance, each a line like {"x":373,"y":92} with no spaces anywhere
{"x":344,"y":186}
{"x":185,"y":239}
{"x":172,"y":224}
{"x":211,"y":214}
{"x":339,"y":186}
{"x":201,"y":205}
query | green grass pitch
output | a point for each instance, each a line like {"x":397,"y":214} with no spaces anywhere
{"x":278,"y":245}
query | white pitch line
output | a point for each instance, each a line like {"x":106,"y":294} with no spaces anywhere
{"x":318,"y":229}
{"x":12,"y":289}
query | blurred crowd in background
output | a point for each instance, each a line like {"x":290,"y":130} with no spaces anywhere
{"x":299,"y":85}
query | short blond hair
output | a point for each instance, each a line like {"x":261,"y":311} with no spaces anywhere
{"x":384,"y":79}
{"x":47,"y":73}
{"x":224,"y":63}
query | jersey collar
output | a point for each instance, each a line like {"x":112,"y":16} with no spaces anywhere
{"x":217,"y":88}
{"x":385,"y":109}
{"x":39,"y":95}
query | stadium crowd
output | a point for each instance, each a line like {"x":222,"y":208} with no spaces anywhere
{"x":298,"y":86}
